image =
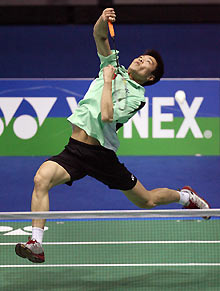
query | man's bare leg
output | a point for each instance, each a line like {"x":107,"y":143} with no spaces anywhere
{"x":161,"y":196}
{"x":144,"y":198}
{"x":48,"y":175}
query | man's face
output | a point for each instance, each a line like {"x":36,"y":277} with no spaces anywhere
{"x":141,"y":68}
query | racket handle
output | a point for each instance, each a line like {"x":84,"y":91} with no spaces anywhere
{"x":111,"y":29}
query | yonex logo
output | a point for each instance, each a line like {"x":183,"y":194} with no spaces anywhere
{"x":26,"y":126}
{"x":189,"y":112}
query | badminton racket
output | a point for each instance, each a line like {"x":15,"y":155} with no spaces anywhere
{"x":117,"y":91}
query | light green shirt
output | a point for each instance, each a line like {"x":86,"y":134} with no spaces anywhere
{"x":88,"y":113}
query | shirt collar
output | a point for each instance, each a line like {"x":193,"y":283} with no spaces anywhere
{"x":134,"y":84}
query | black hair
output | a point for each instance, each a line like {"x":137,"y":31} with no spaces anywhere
{"x":159,"y":71}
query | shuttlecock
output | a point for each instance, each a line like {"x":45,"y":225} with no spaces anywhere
{"x":180,"y":96}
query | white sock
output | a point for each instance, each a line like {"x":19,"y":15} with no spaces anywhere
{"x":184,"y":197}
{"x":37,"y":234}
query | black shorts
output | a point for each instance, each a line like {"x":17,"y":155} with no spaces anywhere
{"x":81,"y":159}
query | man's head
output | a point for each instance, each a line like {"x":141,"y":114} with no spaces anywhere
{"x":147,"y":69}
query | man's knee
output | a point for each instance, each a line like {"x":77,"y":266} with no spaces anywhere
{"x":41,"y":181}
{"x":140,"y":196}
{"x":148,"y":204}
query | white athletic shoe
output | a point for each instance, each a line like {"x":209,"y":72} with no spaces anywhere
{"x":195,"y":201}
{"x":32,"y":251}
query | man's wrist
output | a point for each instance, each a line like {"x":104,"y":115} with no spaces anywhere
{"x":108,"y":82}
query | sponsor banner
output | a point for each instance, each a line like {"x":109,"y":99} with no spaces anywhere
{"x":33,"y":116}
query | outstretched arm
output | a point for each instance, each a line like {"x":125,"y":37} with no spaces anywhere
{"x":100,"y":31}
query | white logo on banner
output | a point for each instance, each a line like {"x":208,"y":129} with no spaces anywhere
{"x":72,"y":103}
{"x":25,"y":126}
{"x":141,"y":120}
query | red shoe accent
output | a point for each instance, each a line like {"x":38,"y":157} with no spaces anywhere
{"x":37,"y":258}
{"x":193,"y":205}
{"x":190,"y":189}
{"x":30,"y":241}
{"x":26,"y":253}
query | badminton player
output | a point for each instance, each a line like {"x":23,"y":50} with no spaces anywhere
{"x":93,"y":144}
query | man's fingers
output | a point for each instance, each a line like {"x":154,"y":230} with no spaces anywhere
{"x":112,"y":19}
{"x":109,"y":68}
{"x":108,"y":73}
{"x":109,"y":14}
{"x":109,"y":10}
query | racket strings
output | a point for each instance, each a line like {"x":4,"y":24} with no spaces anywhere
{"x":123,"y":105}
{"x":118,"y":91}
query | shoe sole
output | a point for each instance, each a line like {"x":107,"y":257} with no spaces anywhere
{"x":190,"y":189}
{"x":25,"y":253}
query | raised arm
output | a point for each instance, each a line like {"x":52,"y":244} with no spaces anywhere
{"x":100,"y":31}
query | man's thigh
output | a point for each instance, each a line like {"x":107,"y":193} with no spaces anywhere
{"x":54,"y":173}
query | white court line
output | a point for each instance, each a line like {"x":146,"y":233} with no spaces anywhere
{"x":114,"y":265}
{"x":125,"y":242}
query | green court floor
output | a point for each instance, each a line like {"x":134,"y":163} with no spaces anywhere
{"x":115,"y":255}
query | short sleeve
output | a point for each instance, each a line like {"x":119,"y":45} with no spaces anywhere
{"x":109,"y":60}
{"x":125,"y":109}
